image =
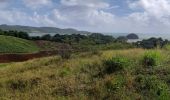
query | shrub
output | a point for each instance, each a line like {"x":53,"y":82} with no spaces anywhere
{"x":65,"y":54}
{"x":152,"y":87}
{"x":95,"y":51}
{"x":151,"y":58}
{"x":65,"y":51}
{"x":115,"y":64}
{"x":115,"y":84}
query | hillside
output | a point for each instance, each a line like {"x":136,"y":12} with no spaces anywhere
{"x":10,"y":44}
{"x":88,"y":76}
{"x":29,"y":29}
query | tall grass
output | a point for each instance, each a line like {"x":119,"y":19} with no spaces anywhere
{"x":83,"y":77}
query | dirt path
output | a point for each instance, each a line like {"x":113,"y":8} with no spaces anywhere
{"x":6,"y":58}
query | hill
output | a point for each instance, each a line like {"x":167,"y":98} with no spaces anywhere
{"x":10,"y":44}
{"x":132,"y":36}
{"x":87,"y":76}
{"x":30,"y":29}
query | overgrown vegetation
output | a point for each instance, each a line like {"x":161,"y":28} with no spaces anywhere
{"x":151,"y":58}
{"x":101,"y":72}
{"x":116,"y":64}
{"x":115,"y":74}
{"x":78,"y":42}
{"x":152,"y":43}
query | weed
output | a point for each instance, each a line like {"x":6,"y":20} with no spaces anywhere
{"x":116,"y":64}
{"x":151,"y":58}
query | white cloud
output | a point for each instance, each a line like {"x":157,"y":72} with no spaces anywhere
{"x":92,"y":15}
{"x":34,"y":4}
{"x":158,"y":9}
{"x":87,"y":3}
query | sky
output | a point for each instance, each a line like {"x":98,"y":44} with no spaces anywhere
{"x":121,"y":16}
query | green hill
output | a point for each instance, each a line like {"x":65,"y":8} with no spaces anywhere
{"x":40,"y":30}
{"x":111,"y":75}
{"x":10,"y":44}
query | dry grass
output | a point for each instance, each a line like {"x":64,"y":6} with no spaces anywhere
{"x":74,"y":79}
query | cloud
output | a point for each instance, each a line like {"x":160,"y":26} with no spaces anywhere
{"x":34,"y":4}
{"x":144,"y":16}
{"x":156,"y":9}
{"x":87,"y":3}
{"x":83,"y":13}
{"x":3,"y":4}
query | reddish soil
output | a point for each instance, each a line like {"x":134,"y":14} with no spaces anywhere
{"x":49,"y":49}
{"x":6,"y":58}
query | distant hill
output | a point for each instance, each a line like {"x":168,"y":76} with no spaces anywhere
{"x":49,"y":30}
{"x":10,"y":44}
{"x":132,"y":36}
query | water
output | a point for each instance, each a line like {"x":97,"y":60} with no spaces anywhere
{"x":41,"y":34}
{"x":144,"y":36}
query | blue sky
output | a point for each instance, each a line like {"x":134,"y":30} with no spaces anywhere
{"x":122,"y":16}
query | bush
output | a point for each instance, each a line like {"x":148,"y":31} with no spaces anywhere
{"x":95,"y":51}
{"x":115,"y":84}
{"x":151,"y":58}
{"x":151,"y":87}
{"x":65,"y":54}
{"x":65,"y":51}
{"x":115,"y":64}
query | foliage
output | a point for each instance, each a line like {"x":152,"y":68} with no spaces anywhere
{"x":116,"y":64}
{"x":122,"y":39}
{"x":20,"y":34}
{"x":65,"y":52}
{"x":81,"y":78}
{"x":152,"y":43}
{"x":77,"y":41}
{"x":46,"y":37}
{"x":151,"y":87}
{"x":151,"y":58}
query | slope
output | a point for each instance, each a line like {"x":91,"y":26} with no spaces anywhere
{"x":82,"y":78}
{"x":10,"y":44}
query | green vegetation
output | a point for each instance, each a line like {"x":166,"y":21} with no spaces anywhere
{"x":10,"y":44}
{"x":85,"y":76}
{"x":151,"y":58}
{"x":152,"y":43}
{"x":87,"y":67}
{"x":18,"y":34}
{"x":116,"y":64}
{"x":39,"y":30}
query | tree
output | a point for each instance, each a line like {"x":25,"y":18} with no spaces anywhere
{"x":46,"y":37}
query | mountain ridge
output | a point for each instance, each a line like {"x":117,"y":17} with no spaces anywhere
{"x":31,"y":29}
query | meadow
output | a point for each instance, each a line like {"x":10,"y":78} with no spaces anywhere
{"x":11,"y":44}
{"x":132,"y":74}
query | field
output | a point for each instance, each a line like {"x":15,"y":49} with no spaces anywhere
{"x":10,"y":44}
{"x":86,"y":76}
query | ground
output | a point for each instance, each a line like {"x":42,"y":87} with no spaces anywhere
{"x":83,"y":77}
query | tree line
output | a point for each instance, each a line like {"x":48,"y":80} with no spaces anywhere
{"x":92,"y":39}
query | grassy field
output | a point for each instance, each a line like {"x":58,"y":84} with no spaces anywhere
{"x":108,"y":75}
{"x":10,"y":44}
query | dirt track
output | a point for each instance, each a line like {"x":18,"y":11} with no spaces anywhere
{"x":6,"y":58}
